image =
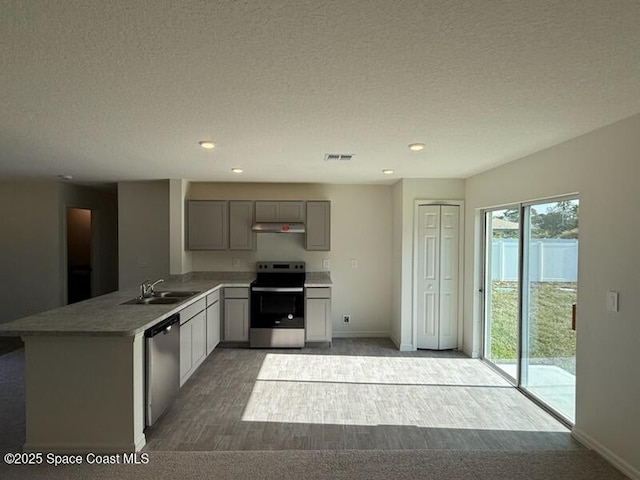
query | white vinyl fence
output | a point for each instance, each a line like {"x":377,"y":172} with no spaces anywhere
{"x":550,"y":260}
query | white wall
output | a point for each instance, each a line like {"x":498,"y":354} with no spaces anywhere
{"x":180,"y":259}
{"x":30,"y":246}
{"x":33,"y":257}
{"x":604,"y":167}
{"x":143,"y":232}
{"x":405,"y":193}
{"x":360,"y":229}
{"x":396,"y":264}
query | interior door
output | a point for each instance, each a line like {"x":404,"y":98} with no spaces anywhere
{"x":437,"y":276}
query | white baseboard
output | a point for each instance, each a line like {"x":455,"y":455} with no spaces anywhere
{"x":622,"y":465}
{"x":372,"y":333}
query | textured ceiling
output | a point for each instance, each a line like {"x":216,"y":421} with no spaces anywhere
{"x":113,"y":90}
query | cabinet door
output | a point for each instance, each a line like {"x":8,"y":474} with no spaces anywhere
{"x":241,"y":237}
{"x":198,"y":339}
{"x":318,"y":320}
{"x":236,"y":319}
{"x":207,"y":225}
{"x":213,"y":326}
{"x":185,"y":351}
{"x":318,"y":228}
{"x":286,"y":212}
{"x":267,"y":212}
{"x":291,"y":212}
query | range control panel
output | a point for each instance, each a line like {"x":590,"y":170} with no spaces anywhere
{"x":280,"y":267}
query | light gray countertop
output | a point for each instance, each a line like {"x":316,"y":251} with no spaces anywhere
{"x":106,"y":316}
{"x":318,"y":279}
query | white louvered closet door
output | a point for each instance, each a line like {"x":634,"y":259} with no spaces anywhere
{"x":438,"y":277}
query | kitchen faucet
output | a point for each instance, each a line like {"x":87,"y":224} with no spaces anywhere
{"x":146,"y":288}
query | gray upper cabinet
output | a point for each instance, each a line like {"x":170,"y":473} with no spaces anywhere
{"x":241,"y":237}
{"x":207,"y":225}
{"x":318,"y":227}
{"x":288,"y":212}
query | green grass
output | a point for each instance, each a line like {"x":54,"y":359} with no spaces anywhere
{"x":550,"y":334}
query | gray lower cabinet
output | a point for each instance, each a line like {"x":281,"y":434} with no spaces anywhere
{"x":318,"y":226}
{"x":185,"y":351}
{"x":198,"y":339}
{"x":318,"y":314}
{"x":193,"y":327}
{"x":213,"y":321}
{"x":241,"y":236}
{"x":288,"y":212}
{"x":236,"y":314}
{"x":207,"y":225}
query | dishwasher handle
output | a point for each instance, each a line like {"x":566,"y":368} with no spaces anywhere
{"x":163,"y":326}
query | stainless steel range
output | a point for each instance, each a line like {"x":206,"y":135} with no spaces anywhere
{"x":277,"y":305}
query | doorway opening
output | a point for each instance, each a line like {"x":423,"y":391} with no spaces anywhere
{"x":79,"y":269}
{"x":530,"y":292}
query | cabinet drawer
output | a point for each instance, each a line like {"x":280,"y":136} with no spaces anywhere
{"x":323,"y":292}
{"x":192,"y":310}
{"x":213,"y":297}
{"x":236,"y":292}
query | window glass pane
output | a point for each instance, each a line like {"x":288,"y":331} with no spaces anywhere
{"x":549,"y":294}
{"x":501,"y":284}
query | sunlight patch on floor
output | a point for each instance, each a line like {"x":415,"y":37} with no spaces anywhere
{"x":411,"y":391}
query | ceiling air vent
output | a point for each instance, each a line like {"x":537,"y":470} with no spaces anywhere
{"x":338,"y":157}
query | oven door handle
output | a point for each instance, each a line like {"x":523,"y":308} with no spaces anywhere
{"x":278,"y":289}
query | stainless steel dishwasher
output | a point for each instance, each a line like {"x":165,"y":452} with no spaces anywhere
{"x":163,"y":366}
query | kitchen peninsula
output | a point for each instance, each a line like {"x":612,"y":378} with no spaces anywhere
{"x":85,"y":366}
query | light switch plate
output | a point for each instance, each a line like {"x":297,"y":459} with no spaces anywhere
{"x":325,"y":264}
{"x":612,"y":301}
{"x":354,"y":263}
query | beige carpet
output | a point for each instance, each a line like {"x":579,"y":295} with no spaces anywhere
{"x":349,"y":464}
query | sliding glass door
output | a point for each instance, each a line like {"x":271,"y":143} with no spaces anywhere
{"x":550,"y":287}
{"x":502,"y":250}
{"x":530,"y":292}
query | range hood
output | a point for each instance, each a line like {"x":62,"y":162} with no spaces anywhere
{"x":272,"y":227}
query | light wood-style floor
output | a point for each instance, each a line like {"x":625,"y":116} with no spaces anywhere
{"x":360,"y":394}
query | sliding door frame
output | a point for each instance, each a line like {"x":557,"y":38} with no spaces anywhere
{"x":486,"y":246}
{"x":524,"y":220}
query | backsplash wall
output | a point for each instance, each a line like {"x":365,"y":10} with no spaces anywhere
{"x":360,"y":230}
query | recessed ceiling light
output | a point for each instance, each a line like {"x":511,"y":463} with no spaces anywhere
{"x":208,"y":144}
{"x":388,"y":171}
{"x":416,"y":147}
{"x":236,"y":170}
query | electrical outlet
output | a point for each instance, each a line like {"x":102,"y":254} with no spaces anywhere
{"x":325,"y":264}
{"x":235,"y":262}
{"x":354,"y":263}
{"x":346,"y":318}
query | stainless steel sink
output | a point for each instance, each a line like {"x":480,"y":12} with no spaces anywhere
{"x":175,"y":293}
{"x":153,"y":301}
{"x":162,"y":298}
